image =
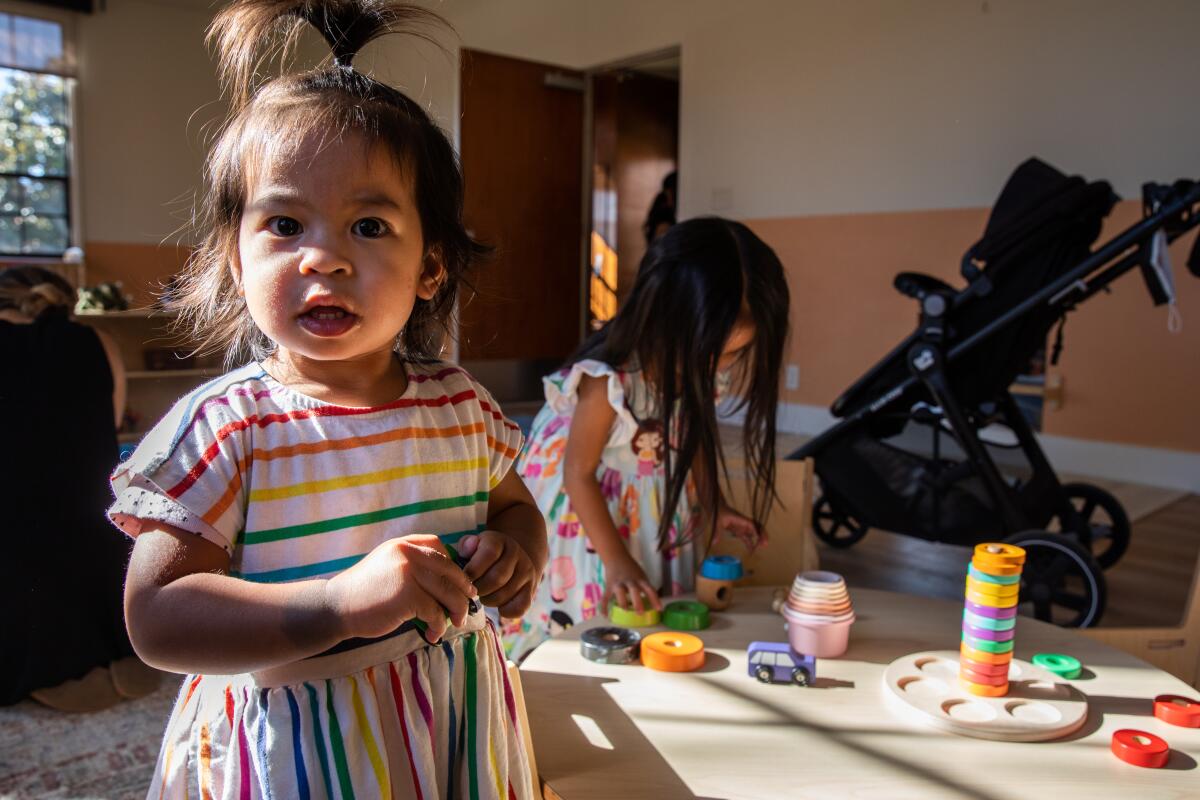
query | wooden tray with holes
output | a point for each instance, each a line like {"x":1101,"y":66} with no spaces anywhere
{"x":1039,"y":705}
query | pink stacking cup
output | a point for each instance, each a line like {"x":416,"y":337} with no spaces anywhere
{"x":819,"y":638}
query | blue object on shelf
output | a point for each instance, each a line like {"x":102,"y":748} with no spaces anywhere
{"x":722,"y":568}
{"x":125,"y":450}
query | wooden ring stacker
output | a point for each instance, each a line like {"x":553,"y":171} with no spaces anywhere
{"x":995,"y":602}
{"x":983,"y":657}
{"x":1006,"y":571}
{"x":713,"y":593}
{"x":982,"y":668}
{"x":998,"y":552}
{"x":673,"y":652}
{"x":980,"y":679}
{"x":1140,"y":748}
{"x":983,"y":691}
{"x":992,"y":589}
{"x":1176,"y":710}
{"x":985,"y":577}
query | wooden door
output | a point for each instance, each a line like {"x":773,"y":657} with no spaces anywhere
{"x":522,"y":150}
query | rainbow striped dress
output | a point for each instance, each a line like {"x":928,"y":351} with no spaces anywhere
{"x":295,"y":488}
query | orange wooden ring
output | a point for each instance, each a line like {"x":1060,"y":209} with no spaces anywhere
{"x":985,"y":658}
{"x":984,"y":691}
{"x":979,"y":679}
{"x":999,"y":552}
{"x":672,"y":651}
{"x":989,"y":600}
{"x":982,"y":668}
{"x":1181,"y":711}
{"x":997,"y":570}
{"x":992,"y":589}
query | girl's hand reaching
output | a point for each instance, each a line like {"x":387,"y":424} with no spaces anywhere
{"x":400,"y":580}
{"x":741,"y":527}
{"x":502,"y":570}
{"x":627,"y":584}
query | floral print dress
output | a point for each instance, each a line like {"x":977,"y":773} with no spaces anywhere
{"x":632,"y":480}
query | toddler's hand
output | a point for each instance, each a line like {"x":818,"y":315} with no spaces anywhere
{"x":501,"y":570}
{"x":399,"y":580}
{"x":627,"y":584}
{"x":741,"y":527}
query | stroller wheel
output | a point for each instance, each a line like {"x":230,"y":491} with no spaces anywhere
{"x":1105,"y":524}
{"x":835,"y":527}
{"x":1061,"y":582}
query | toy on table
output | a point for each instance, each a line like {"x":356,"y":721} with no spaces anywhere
{"x":685,"y":615}
{"x":610,"y":645}
{"x":627,"y":618}
{"x":777,"y":662}
{"x":714,"y":584}
{"x":1176,"y":710}
{"x":990,"y":618}
{"x":672,"y":652}
{"x":819,"y":614}
{"x":1039,"y":708}
{"x":1140,"y":748}
{"x":1063,"y":666}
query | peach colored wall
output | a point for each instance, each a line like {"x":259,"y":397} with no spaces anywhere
{"x":1127,"y":379}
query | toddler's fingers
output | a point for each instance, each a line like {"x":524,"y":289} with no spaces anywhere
{"x":498,"y":575}
{"x":618,"y":595}
{"x":451,"y":592}
{"x":635,"y":594}
{"x":518,"y":604}
{"x":429,"y":611}
{"x":507,"y":593}
{"x":488,"y":550}
{"x":651,"y":594}
{"x":466,"y":545}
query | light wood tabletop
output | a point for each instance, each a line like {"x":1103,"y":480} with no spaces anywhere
{"x":609,"y":731}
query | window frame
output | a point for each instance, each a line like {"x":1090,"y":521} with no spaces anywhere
{"x":67,"y":22}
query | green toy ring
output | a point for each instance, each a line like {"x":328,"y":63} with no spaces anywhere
{"x":685,"y":615}
{"x":1067,"y":667}
{"x":986,"y":646}
{"x":624,"y":618}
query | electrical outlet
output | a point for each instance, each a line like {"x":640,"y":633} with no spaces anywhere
{"x":791,"y":377}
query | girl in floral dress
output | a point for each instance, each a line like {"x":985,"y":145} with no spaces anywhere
{"x":624,"y":456}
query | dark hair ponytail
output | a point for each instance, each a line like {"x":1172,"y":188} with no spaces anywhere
{"x":691,"y":288}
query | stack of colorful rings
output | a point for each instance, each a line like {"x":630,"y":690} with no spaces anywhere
{"x":990,"y":618}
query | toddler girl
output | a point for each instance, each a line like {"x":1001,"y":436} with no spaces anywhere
{"x":625,"y":458}
{"x":298,"y":519}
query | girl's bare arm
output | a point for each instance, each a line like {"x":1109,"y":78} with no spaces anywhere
{"x":186,"y":614}
{"x":590,"y":429}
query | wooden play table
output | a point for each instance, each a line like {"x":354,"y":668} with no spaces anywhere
{"x":604,"y":731}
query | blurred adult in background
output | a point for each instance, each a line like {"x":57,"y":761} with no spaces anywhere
{"x":662,"y":210}
{"x":62,"y":394}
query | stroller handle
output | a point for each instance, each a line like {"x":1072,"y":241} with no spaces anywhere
{"x":1176,"y":214}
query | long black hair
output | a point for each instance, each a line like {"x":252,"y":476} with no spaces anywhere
{"x":692,"y":287}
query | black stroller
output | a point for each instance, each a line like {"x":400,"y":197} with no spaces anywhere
{"x":908,"y":455}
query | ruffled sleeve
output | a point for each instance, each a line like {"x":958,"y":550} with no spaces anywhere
{"x":562,"y":395}
{"x":188,"y":472}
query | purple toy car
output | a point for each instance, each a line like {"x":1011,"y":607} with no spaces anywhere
{"x":776,"y":662}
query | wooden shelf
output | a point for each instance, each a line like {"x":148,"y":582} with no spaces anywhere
{"x":199,"y":372}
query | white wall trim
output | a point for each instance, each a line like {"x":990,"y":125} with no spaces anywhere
{"x":1169,"y":469}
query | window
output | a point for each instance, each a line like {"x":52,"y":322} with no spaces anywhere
{"x":35,"y":169}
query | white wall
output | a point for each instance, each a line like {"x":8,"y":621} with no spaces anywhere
{"x":797,"y":107}
{"x":789,"y":107}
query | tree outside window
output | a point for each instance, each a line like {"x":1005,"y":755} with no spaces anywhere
{"x":35,"y":131}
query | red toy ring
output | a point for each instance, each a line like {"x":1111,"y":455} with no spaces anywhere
{"x":1181,"y":711}
{"x":1140,"y":748}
